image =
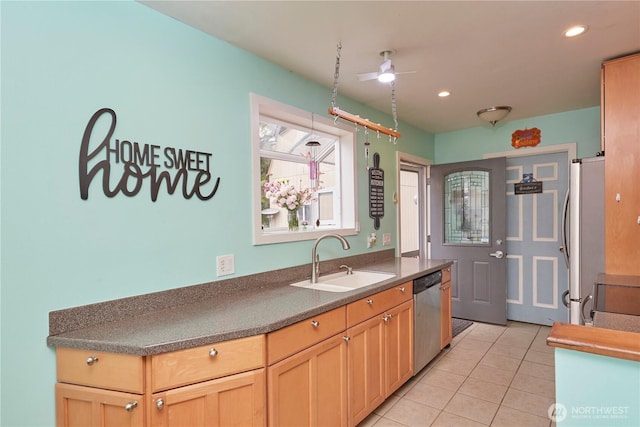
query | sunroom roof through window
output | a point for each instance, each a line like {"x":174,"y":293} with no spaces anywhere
{"x":279,"y":138}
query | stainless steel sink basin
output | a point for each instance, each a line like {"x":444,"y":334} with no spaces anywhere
{"x":343,"y":282}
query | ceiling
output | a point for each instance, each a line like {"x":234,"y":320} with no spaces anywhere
{"x":485,"y":53}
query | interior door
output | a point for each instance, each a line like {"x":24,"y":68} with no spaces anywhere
{"x":469,"y":227}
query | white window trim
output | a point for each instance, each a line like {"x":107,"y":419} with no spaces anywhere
{"x":345,"y":167}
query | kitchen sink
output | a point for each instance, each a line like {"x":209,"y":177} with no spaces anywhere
{"x":343,"y":282}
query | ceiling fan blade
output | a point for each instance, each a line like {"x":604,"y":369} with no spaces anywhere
{"x":367,"y":76}
{"x":385,"y":66}
{"x":405,"y":72}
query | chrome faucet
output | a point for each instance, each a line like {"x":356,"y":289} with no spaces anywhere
{"x":315,"y":259}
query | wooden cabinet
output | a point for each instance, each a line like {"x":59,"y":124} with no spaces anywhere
{"x":215,"y":385}
{"x":379,"y":349}
{"x":446,"y":330}
{"x":237,"y":400}
{"x":310,"y":387}
{"x":81,"y":406}
{"x":307,"y":373}
{"x":620,"y":111}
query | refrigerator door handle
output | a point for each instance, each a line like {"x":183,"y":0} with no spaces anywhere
{"x":586,"y":320}
{"x":565,"y":299}
{"x":565,"y":216}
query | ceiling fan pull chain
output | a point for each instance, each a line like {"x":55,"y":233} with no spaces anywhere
{"x":336,"y":74}
{"x":394,"y":110}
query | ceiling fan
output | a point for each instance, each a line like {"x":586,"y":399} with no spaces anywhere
{"x":386,"y":73}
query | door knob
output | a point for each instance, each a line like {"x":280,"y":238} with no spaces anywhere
{"x":497,"y":254}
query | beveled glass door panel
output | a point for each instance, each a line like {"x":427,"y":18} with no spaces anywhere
{"x":467,"y":207}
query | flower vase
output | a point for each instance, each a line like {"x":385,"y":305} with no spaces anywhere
{"x":292,"y":219}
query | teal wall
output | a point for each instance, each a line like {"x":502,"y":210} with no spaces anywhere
{"x":594,"y":390}
{"x":580,"y":126}
{"x":170,"y":85}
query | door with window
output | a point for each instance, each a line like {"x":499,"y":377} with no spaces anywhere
{"x":469,"y":227}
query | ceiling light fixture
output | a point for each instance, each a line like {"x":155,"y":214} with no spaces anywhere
{"x":494,"y":114}
{"x":388,"y":76}
{"x":444,"y":94}
{"x":576,"y":30}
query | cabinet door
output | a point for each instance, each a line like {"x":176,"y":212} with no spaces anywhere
{"x":446,"y":331}
{"x":621,"y":126}
{"x":399,"y":346}
{"x":365,"y":353}
{"x":237,"y":400}
{"x":80,"y":406}
{"x":310,"y":387}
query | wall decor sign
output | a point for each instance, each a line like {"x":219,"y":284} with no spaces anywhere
{"x":528,"y":185}
{"x":526,"y":138}
{"x":162,"y":167}
{"x":376,"y":191}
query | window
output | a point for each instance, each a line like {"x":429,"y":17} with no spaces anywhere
{"x":466,"y":212}
{"x":282,"y":154}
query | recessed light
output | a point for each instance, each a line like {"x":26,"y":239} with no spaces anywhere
{"x":576,"y":30}
{"x":444,"y":94}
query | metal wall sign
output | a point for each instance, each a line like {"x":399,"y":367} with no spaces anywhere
{"x":376,"y":191}
{"x":528,"y":185}
{"x":171,"y":168}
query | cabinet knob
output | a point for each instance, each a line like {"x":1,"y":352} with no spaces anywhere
{"x":370,"y":301}
{"x":159,"y":403}
{"x":402,"y":289}
{"x":213,"y":352}
{"x":131,"y":406}
{"x":91,"y":360}
{"x":347,"y":339}
{"x":386,"y":317}
{"x":315,"y":323}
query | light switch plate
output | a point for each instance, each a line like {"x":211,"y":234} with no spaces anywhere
{"x":225,"y":264}
{"x":386,"y":239}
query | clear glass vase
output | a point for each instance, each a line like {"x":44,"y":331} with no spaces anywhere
{"x":292,"y":219}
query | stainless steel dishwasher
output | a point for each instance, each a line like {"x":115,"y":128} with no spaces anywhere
{"x":426,"y":319}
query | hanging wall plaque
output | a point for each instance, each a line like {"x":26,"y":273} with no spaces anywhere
{"x":376,"y":191}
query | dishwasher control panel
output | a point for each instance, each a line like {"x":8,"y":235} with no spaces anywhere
{"x":425,"y":282}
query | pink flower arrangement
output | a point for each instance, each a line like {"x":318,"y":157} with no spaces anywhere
{"x":286,"y":195}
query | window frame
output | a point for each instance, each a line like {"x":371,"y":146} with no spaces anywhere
{"x":345,"y":154}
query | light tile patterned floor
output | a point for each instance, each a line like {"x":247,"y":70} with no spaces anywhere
{"x":490,"y":376}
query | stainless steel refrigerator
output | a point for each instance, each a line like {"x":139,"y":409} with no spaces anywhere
{"x":583,"y":235}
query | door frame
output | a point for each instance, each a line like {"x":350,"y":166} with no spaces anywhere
{"x":569,"y":148}
{"x":423,"y":164}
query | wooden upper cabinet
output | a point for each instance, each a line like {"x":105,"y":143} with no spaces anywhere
{"x":621,"y":142}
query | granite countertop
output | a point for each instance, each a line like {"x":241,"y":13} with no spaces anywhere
{"x":215,"y":313}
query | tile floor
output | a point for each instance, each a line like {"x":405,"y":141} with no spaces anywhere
{"x":490,"y":376}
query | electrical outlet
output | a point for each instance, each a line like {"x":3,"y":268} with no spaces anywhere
{"x":386,"y":239}
{"x":225,"y":264}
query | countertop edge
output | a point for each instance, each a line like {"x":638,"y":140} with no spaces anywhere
{"x":588,"y":339}
{"x":85,"y":338}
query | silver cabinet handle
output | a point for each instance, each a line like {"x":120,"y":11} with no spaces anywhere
{"x":213,"y":352}
{"x":347,"y":339}
{"x":131,"y":406}
{"x":497,"y":254}
{"x":159,"y":403}
{"x":91,"y":360}
{"x":370,"y":301}
{"x":315,"y":323}
{"x":387,"y":317}
{"x":402,"y":289}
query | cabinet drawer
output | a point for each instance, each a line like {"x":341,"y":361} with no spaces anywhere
{"x":193,"y":365}
{"x":122,"y":372}
{"x":370,"y":306}
{"x":446,"y":274}
{"x":296,"y":337}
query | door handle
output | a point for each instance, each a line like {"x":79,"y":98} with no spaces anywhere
{"x":497,"y":254}
{"x":564,"y":298}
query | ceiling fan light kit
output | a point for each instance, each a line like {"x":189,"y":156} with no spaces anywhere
{"x":494,"y":114}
